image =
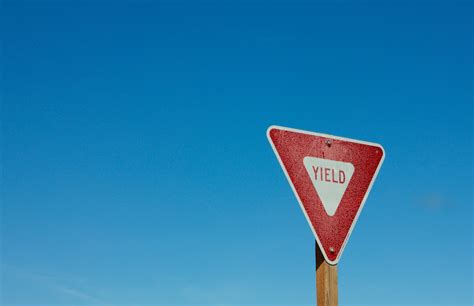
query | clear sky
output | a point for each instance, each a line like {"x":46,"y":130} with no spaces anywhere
{"x":136,"y":169}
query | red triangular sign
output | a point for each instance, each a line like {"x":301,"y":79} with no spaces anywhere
{"x":331,"y":178}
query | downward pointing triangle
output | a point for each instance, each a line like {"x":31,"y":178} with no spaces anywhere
{"x":321,"y":171}
{"x":330,"y":179}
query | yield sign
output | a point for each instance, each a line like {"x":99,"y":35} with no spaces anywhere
{"x":331,"y":178}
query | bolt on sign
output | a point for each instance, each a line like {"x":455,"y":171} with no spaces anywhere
{"x":331,"y":178}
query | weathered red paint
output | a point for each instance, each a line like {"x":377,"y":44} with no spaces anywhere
{"x":292,"y":147}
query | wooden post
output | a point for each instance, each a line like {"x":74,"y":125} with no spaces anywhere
{"x":326,"y":281}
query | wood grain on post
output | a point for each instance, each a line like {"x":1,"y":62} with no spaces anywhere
{"x":326,"y":281}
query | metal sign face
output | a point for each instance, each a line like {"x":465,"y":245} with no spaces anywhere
{"x":331,"y":178}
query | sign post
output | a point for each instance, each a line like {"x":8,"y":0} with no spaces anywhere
{"x":331,"y":178}
{"x":326,"y":280}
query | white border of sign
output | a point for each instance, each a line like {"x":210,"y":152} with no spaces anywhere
{"x":298,"y":198}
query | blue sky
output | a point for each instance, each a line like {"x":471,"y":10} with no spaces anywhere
{"x":136,"y":169}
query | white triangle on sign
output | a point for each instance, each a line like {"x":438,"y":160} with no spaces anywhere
{"x":330,"y":179}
